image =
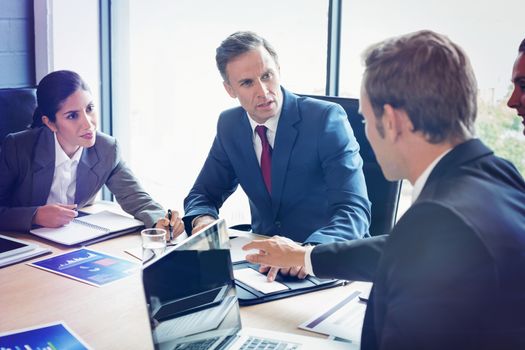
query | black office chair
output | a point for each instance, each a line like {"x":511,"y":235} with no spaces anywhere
{"x":16,"y":110}
{"x":383,"y":194}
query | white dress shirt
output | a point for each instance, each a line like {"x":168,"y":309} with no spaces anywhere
{"x":271,"y":125}
{"x":64,"y":183}
{"x":416,"y":191}
{"x":422,"y":179}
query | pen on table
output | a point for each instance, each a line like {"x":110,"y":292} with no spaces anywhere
{"x":170,"y":226}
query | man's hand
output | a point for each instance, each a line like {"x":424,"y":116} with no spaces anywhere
{"x":278,"y":252}
{"x":201,"y":222}
{"x":176,"y":223}
{"x":55,"y":215}
{"x":271,"y":272}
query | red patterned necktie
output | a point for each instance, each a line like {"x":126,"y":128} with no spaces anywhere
{"x":266,"y":157}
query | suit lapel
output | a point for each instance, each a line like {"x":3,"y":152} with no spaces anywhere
{"x":283,"y":145}
{"x":87,"y":178}
{"x":44,"y":166}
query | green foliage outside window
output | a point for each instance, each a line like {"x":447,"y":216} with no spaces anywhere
{"x":500,"y":128}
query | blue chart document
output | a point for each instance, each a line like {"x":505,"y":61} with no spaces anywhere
{"x":44,"y":337}
{"x":89,"y":266}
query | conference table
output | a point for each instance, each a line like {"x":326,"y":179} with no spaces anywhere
{"x":114,"y":316}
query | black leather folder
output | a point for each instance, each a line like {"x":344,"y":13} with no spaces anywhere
{"x":250,"y":296}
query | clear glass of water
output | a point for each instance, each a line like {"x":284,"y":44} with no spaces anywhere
{"x":153,"y":243}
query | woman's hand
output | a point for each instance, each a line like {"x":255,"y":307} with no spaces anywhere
{"x":55,"y":215}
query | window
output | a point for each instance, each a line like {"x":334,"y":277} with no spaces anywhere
{"x":487,"y":31}
{"x":168,"y":93}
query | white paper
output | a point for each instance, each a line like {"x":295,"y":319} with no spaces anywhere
{"x":112,"y":221}
{"x":343,"y":319}
{"x":258,"y":281}
{"x":236,"y":244}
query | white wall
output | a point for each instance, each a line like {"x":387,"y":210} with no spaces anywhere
{"x":67,"y":37}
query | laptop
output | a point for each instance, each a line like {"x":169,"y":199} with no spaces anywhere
{"x":192,"y":300}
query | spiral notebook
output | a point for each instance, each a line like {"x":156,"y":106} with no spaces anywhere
{"x":90,"y":229}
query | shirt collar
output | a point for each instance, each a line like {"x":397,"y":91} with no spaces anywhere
{"x":271,"y":123}
{"x":422,"y":179}
{"x":61,"y":157}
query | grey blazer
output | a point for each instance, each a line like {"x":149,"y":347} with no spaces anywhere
{"x":27,"y":165}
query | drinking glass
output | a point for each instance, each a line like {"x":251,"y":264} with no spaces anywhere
{"x":153,"y":243}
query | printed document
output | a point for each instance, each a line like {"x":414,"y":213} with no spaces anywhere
{"x":258,"y":281}
{"x":89,"y":266}
{"x":344,"y":319}
{"x":47,"y":336}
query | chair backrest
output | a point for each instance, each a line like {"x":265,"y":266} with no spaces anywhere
{"x":16,"y":110}
{"x":383,"y":194}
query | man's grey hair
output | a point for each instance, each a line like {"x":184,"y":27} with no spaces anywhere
{"x":237,"y":44}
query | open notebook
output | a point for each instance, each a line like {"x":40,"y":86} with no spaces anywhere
{"x":90,"y":229}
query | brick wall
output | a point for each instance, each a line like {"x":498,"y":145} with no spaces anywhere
{"x":17,"y":53}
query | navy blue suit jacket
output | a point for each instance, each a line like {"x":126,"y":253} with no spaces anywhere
{"x":318,"y":188}
{"x":27,"y":166}
{"x":451,"y":275}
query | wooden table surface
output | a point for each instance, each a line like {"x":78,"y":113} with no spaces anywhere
{"x":115,"y":316}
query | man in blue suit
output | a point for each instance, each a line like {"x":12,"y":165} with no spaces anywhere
{"x":303,"y":177}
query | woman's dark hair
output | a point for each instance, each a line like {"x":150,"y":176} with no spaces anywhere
{"x":52,"y":91}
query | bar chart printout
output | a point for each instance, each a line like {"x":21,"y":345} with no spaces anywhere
{"x":55,"y":336}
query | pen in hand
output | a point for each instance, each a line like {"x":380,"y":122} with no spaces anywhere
{"x":170,"y":226}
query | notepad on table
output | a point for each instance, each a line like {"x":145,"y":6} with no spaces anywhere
{"x":90,"y":229}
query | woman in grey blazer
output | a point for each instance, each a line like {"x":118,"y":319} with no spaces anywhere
{"x":61,"y":163}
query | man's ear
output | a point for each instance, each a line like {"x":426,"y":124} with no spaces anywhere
{"x":389,"y":122}
{"x":229,"y":89}
{"x":47,"y":122}
{"x":396,"y":121}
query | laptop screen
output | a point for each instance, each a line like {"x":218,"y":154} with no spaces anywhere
{"x":190,"y":292}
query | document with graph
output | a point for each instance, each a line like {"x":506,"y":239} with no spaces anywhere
{"x":90,"y":228}
{"x":89,"y":266}
{"x":47,"y":336}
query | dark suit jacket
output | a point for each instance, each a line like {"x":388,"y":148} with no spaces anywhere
{"x":451,"y":275}
{"x":318,"y":188}
{"x":27,"y":165}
